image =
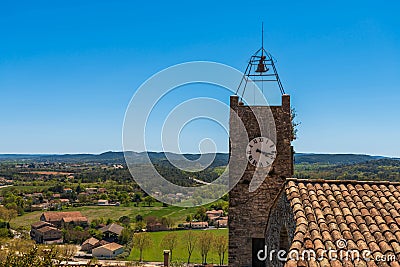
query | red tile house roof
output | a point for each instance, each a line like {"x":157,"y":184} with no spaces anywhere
{"x":324,"y":215}
{"x":91,"y":241}
{"x":90,"y":244}
{"x":112,"y":246}
{"x":47,"y":229}
{"x":59,"y":215}
{"x":74,"y":219}
{"x":40,"y":224}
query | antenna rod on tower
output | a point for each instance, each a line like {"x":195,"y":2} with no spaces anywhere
{"x":262,"y":38}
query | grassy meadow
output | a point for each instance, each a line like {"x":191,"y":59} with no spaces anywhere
{"x":178,"y":214}
{"x":155,"y":253}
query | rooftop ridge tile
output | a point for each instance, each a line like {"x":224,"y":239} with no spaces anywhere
{"x":370,"y":182}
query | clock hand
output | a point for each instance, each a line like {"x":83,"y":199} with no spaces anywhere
{"x":263,"y":152}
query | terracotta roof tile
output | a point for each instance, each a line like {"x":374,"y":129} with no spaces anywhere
{"x":74,"y":219}
{"x":313,"y":263}
{"x":302,"y":263}
{"x":385,"y":247}
{"x":390,"y":237}
{"x":366,"y":214}
{"x":297,"y":245}
{"x":371,"y":264}
{"x":40,"y":224}
{"x":110,"y":246}
{"x":47,"y":229}
{"x":59,"y":215}
{"x":291,"y":263}
{"x":396,"y":248}
{"x":362,"y":245}
{"x":91,"y":241}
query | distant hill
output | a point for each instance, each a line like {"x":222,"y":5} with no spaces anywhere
{"x":384,"y":169}
{"x":221,"y":159}
{"x":333,"y":158}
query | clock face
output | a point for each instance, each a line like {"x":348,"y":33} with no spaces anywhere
{"x":261,"y":152}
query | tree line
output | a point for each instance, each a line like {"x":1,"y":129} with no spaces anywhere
{"x":192,"y":240}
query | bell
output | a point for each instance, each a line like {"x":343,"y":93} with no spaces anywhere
{"x":261,"y":67}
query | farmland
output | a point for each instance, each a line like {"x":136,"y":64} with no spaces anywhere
{"x":178,"y":214}
{"x":180,"y":252}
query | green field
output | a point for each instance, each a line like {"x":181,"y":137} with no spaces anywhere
{"x":180,"y":253}
{"x":178,"y":214}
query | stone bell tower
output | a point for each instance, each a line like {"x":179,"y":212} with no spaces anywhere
{"x":248,"y":211}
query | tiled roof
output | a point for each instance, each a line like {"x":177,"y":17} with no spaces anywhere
{"x":58,"y":215}
{"x":199,"y":223}
{"x":212,"y":216}
{"x":114,"y":228}
{"x":47,"y":229}
{"x":364,"y":214}
{"x":110,"y":246}
{"x":222,"y":222}
{"x":40,"y":224}
{"x":103,"y":242}
{"x":74,"y":219}
{"x":216,"y":212}
{"x":91,"y":241}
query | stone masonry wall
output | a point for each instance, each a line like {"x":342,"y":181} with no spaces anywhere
{"x":281,"y":218}
{"x":248,"y":212}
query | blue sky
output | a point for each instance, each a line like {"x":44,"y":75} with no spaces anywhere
{"x":69,"y":68}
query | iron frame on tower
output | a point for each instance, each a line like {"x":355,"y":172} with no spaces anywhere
{"x":257,"y":70}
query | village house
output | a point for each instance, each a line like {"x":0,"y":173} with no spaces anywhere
{"x":59,"y":219}
{"x":118,"y":166}
{"x":74,"y":221}
{"x":45,"y":233}
{"x":222,"y":218}
{"x":42,"y":206}
{"x":101,"y":190}
{"x":217,"y":213}
{"x":55,"y":203}
{"x":67,"y":190}
{"x":37,"y":194}
{"x":155,"y":227}
{"x":64,"y":201}
{"x":107,"y":251}
{"x":196,"y":225}
{"x":111,"y":232}
{"x":102,"y":202}
{"x":37,"y":198}
{"x":213,"y":215}
{"x":91,"y":243}
{"x":4,"y":181}
{"x":91,"y":190}
{"x":221,"y":223}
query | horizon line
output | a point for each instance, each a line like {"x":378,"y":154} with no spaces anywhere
{"x":219,"y":152}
